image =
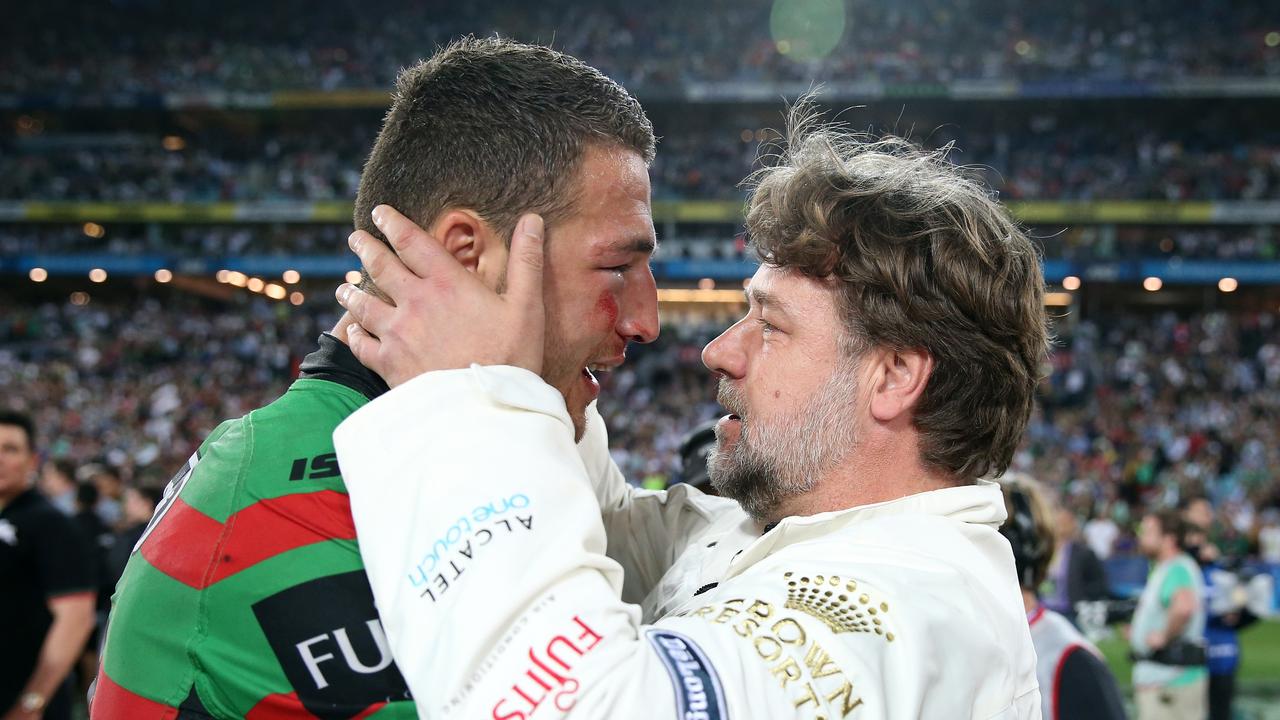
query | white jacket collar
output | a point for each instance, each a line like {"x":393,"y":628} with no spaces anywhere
{"x":981,"y":503}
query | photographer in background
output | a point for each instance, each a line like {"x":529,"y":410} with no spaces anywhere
{"x":1074,"y":680}
{"x":1224,"y":617}
{"x":1167,"y":635}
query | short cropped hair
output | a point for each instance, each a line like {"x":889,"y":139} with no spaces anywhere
{"x":924,"y":258}
{"x":22,"y":421}
{"x":496,"y":126}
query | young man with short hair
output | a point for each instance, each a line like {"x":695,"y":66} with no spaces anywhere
{"x":247,"y":596}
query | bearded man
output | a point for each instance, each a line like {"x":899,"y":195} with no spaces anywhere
{"x":886,"y":365}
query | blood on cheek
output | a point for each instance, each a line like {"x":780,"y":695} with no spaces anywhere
{"x":607,"y":309}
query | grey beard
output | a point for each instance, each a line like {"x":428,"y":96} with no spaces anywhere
{"x":783,"y":458}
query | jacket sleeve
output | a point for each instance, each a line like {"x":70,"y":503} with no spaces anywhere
{"x":485,"y":549}
{"x":646,"y":529}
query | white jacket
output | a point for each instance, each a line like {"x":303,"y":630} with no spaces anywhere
{"x":486,"y":549}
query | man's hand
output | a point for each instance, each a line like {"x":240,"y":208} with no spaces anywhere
{"x":1156,"y":640}
{"x":443,"y":317}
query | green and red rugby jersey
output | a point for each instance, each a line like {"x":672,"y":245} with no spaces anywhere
{"x":246,"y":596}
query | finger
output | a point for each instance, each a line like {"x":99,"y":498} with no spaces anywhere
{"x":386,"y":270}
{"x":419,"y":251}
{"x":524,"y":266}
{"x":369,"y":310}
{"x":364,"y":346}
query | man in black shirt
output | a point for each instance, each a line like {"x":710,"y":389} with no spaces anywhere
{"x":47,"y":572}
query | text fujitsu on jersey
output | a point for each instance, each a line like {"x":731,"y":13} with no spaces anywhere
{"x":246,"y":596}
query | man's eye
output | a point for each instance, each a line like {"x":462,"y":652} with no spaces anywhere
{"x":618,"y":268}
{"x":766,"y":326}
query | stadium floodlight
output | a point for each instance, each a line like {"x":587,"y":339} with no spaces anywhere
{"x":237,"y":278}
{"x":98,"y":275}
{"x":38,"y":274}
{"x":256,"y":284}
{"x":275,"y":292}
{"x":79,"y":298}
{"x":94,"y":230}
{"x":353,"y":276}
{"x":296,"y":298}
{"x":1152,"y":284}
{"x":1228,"y":284}
{"x":290,"y":276}
{"x":706,"y":284}
{"x":222,"y":276}
{"x":1071,"y":282}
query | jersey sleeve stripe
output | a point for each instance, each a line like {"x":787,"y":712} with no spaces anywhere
{"x":112,"y":702}
{"x":198,"y":551}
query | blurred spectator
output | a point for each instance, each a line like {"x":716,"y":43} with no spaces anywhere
{"x":110,"y":492}
{"x":1075,"y":683}
{"x":49,"y":585}
{"x":1269,"y":537}
{"x":1223,"y":620}
{"x":58,"y":485}
{"x":97,"y":532}
{"x":139,"y":505}
{"x":1100,"y":533}
{"x":1075,"y":574}
{"x":1167,"y":635}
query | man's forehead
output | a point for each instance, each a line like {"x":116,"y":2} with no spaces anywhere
{"x":614,"y":195}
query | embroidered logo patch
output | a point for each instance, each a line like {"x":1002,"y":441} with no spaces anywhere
{"x":699,"y":695}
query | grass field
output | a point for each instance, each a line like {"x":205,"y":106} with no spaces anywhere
{"x":1258,"y":688}
{"x":1259,"y":655}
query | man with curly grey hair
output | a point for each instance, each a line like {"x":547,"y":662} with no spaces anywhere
{"x":853,"y":568}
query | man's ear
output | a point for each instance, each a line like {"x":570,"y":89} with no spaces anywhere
{"x":899,"y":378}
{"x":468,"y":237}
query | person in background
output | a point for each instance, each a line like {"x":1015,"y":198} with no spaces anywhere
{"x":47,"y":585}
{"x":139,"y":505}
{"x":1170,"y":681}
{"x":1075,"y":683}
{"x":110,"y":493}
{"x":58,"y":485}
{"x":695,"y":449}
{"x":1100,"y":533}
{"x":1222,"y":622}
{"x":1076,"y":574}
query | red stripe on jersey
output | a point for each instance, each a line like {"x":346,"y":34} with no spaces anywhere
{"x":198,"y":551}
{"x":369,"y":711}
{"x":182,"y":545}
{"x":279,"y":706}
{"x":270,"y":527}
{"x":112,"y":702}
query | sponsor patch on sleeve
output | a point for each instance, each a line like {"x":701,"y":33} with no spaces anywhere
{"x":699,"y":695}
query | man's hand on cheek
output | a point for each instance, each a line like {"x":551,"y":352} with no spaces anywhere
{"x":443,"y":317}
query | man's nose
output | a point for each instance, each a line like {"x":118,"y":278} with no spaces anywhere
{"x":638,"y":321}
{"x":723,"y":356}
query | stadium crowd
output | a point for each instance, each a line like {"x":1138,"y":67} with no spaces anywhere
{"x":1138,"y":411}
{"x":144,"y":46}
{"x":1050,"y":158}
